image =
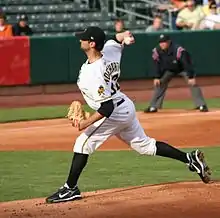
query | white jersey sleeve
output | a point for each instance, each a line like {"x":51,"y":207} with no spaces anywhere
{"x":112,"y":50}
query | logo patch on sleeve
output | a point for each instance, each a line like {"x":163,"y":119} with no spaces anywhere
{"x":101,"y":90}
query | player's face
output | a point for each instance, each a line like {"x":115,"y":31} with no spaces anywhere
{"x":164,"y":45}
{"x":87,"y":45}
{"x":84,"y":45}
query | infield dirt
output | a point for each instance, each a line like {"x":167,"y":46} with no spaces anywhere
{"x":181,"y":128}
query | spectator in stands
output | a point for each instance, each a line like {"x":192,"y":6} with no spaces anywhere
{"x":206,"y":7}
{"x":174,"y":7}
{"x":5,"y":29}
{"x":119,"y":26}
{"x":157,"y":25}
{"x":178,"y":4}
{"x":190,"y":17}
{"x":22,"y":28}
{"x":212,"y":21}
{"x":213,"y":8}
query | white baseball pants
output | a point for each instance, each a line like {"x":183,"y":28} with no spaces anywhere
{"x":124,"y":124}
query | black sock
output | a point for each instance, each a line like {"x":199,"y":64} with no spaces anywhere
{"x":78,"y":163}
{"x":165,"y":150}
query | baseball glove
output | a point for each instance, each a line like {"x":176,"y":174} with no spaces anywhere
{"x":76,"y":113}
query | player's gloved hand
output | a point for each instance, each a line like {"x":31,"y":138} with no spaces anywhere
{"x":192,"y":81}
{"x":156,"y":82}
{"x":76,"y":113}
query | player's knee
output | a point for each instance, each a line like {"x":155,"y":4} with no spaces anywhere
{"x":146,"y":146}
{"x":82,"y":145}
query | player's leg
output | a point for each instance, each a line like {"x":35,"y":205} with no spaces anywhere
{"x":196,"y":95}
{"x":159,"y":93}
{"x":85,"y":145}
{"x":135,"y":136}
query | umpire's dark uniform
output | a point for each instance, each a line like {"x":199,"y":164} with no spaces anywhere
{"x":174,"y":60}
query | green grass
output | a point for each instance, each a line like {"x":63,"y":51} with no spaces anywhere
{"x":36,"y":174}
{"x":52,"y":112}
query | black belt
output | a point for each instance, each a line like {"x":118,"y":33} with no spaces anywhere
{"x":120,"y":102}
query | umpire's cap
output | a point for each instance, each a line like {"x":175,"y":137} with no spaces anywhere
{"x":93,"y":34}
{"x":164,"y":38}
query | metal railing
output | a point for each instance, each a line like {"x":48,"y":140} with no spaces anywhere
{"x":146,"y":17}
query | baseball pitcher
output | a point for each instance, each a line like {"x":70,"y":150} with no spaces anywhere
{"x":114,"y":113}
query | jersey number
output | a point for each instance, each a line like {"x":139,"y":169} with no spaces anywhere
{"x":115,"y":86}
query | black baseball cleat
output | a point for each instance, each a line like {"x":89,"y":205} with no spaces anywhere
{"x":65,"y":194}
{"x":202,"y":108}
{"x":150,"y":110}
{"x":197,"y":164}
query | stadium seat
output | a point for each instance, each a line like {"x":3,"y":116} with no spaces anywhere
{"x":44,"y":8}
{"x":60,"y":17}
{"x":31,"y":2}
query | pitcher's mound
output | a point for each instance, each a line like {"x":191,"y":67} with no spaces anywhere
{"x":177,"y":200}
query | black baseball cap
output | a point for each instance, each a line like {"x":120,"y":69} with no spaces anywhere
{"x":23,"y":17}
{"x":94,"y":34}
{"x":164,"y":38}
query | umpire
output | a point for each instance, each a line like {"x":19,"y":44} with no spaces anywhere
{"x":170,"y":60}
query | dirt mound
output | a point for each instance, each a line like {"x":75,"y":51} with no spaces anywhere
{"x":172,"y":126}
{"x":179,"y":200}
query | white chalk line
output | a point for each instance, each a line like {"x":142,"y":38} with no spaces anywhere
{"x":20,"y":129}
{"x":182,"y":114}
{"x":148,"y":117}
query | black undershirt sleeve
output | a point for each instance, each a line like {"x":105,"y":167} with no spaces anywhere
{"x":106,"y":108}
{"x":113,"y":37}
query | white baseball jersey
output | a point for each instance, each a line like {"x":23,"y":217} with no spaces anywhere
{"x":98,"y":83}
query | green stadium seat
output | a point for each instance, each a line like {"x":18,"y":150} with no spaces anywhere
{"x":139,"y":5}
{"x":31,"y":2}
{"x":59,"y":17}
{"x":44,"y":8}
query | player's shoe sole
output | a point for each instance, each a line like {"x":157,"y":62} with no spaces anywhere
{"x":197,"y":164}
{"x":64,"y":194}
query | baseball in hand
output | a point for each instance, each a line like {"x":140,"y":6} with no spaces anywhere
{"x":128,"y":40}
